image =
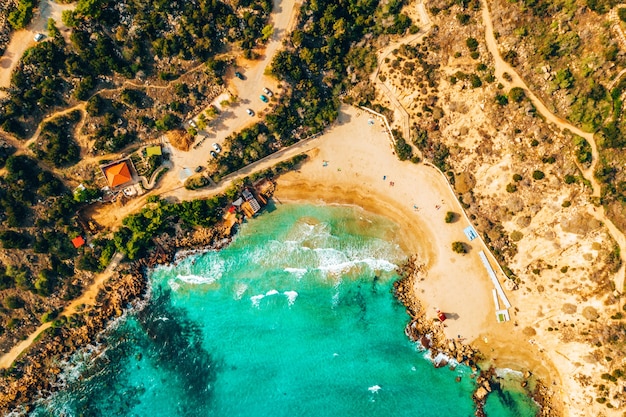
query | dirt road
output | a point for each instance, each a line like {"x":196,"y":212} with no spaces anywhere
{"x":24,"y":39}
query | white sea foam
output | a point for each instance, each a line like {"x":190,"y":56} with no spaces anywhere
{"x":298,"y":272}
{"x":341,"y":266}
{"x":508,"y":373}
{"x":256,"y":299}
{"x":335,"y":301}
{"x":291,"y":296}
{"x":240,"y":288}
{"x":374,"y":388}
{"x":271,"y":292}
{"x":197,"y":279}
{"x":173,"y":284}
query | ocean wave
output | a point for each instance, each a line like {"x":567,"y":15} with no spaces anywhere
{"x":256,"y":299}
{"x":271,"y":292}
{"x":374,"y":389}
{"x":298,"y":272}
{"x":240,"y":288}
{"x":196,"y":279}
{"x":173,"y":284}
{"x":345,"y":266}
{"x":291,"y":296}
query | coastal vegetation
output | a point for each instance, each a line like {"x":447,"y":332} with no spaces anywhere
{"x":575,"y":71}
{"x":459,"y":247}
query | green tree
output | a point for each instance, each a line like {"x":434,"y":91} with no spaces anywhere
{"x":450,"y":217}
{"x":459,"y":247}
{"x":13,"y":302}
{"x":267,"y":32}
{"x":517,"y":94}
{"x":538,"y":175}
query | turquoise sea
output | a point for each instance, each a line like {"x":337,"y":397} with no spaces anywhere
{"x":294,"y":318}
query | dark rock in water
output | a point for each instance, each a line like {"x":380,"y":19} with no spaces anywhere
{"x":177,"y":346}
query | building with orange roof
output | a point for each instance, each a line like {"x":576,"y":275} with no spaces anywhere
{"x":118,"y":173}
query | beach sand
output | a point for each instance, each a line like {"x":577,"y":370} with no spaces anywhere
{"x":354,"y":164}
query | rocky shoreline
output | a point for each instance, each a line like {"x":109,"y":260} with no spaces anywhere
{"x":37,"y":373}
{"x":428,"y":331}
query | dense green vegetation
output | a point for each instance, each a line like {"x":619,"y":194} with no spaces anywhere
{"x":315,"y":64}
{"x":123,"y":38}
{"x":159,"y":216}
{"x":22,"y":15}
{"x":56,"y":143}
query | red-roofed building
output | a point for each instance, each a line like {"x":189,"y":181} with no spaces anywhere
{"x":78,"y":241}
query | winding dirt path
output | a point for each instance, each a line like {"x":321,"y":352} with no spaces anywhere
{"x":88,"y":298}
{"x":386,"y":90}
{"x":502,"y":67}
{"x":283,"y":17}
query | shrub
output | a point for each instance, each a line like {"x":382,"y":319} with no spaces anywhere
{"x":517,"y":177}
{"x":534,"y":143}
{"x":403,"y":149}
{"x":471,"y":43}
{"x":511,"y":188}
{"x":475,"y":81}
{"x":463,"y":18}
{"x":450,"y":217}
{"x":13,"y":302}
{"x":517,"y":94}
{"x":570,"y":179}
{"x":502,"y":100}
{"x":538,"y":175}
{"x":459,"y":247}
{"x":49,"y":316}
{"x":516,"y":236}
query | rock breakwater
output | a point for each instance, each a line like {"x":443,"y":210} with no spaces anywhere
{"x":428,"y":331}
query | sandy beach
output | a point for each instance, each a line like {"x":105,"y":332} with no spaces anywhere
{"x":354,"y":164}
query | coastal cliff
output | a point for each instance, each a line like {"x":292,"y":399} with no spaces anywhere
{"x":36,"y":374}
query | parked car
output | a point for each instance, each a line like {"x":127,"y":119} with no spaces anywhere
{"x":268,"y":92}
{"x":193,"y":124}
{"x":198,"y":168}
{"x":217,"y":147}
{"x":264,"y":99}
{"x":39,"y":36}
{"x":250,"y":112}
{"x":213,"y":154}
{"x":239,"y":75}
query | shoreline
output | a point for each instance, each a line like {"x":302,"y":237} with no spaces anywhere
{"x":353,"y":165}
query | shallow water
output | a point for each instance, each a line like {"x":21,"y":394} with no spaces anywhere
{"x":294,"y":318}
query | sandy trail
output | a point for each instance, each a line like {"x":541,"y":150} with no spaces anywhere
{"x":88,"y":298}
{"x":501,"y":67}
